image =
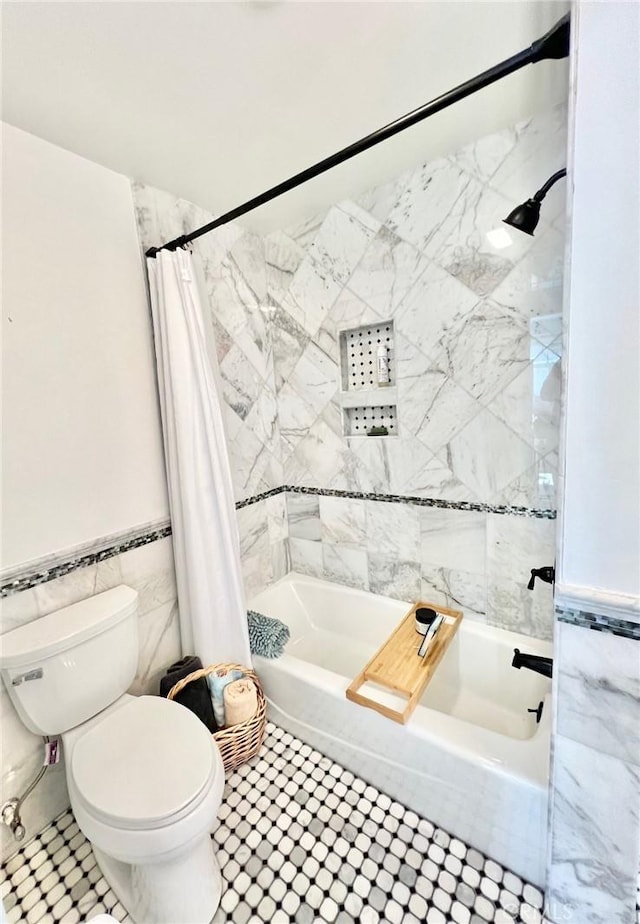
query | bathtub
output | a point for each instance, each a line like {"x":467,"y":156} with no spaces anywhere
{"x":472,"y":758}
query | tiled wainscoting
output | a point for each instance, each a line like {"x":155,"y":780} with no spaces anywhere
{"x":476,"y":559}
{"x":299,"y":838}
{"x":595,"y":778}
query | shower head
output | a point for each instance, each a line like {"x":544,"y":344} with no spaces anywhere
{"x":525,"y":217}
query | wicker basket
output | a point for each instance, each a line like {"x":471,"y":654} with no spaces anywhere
{"x":238,"y":743}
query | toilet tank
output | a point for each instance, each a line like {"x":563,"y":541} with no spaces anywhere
{"x":64,"y":668}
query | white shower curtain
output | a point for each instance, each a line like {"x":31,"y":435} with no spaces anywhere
{"x":213,"y":622}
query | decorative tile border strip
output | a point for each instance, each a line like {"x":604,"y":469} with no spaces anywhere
{"x":260,"y":497}
{"x":612,"y":625}
{"x":26,"y":579}
{"x":406,"y":499}
{"x":31,"y":576}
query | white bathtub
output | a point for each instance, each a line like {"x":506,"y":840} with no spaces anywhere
{"x":470,"y":758}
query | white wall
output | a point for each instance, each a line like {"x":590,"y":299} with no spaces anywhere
{"x":82,"y":450}
{"x":601,"y":515}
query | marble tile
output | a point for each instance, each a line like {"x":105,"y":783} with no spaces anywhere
{"x":257,"y":571}
{"x":482,"y":158}
{"x":455,"y":589}
{"x":280,"y":559}
{"x":253,"y":529}
{"x":277,"y":521}
{"x":393,"y":529}
{"x":530,"y":403}
{"x":465,"y":244}
{"x":303,"y":512}
{"x":345,"y":565}
{"x":307,"y":230}
{"x":283,"y":256}
{"x":150,"y":571}
{"x":343,"y":521}
{"x":241,"y":384}
{"x":262,"y":419}
{"x":295,"y":418}
{"x":71,"y":588}
{"x":487,"y":350}
{"x":426,"y":200}
{"x":435,"y":409}
{"x":347,"y":312}
{"x":312,"y":292}
{"x":380,"y":200}
{"x":394,"y":578}
{"x":536,"y":487}
{"x":386,"y":272}
{"x":433,"y":310}
{"x":341,"y":241}
{"x":289,"y":342}
{"x":598,"y":699}
{"x":437,"y":480}
{"x":454,"y":539}
{"x":487,"y":456}
{"x":540,"y":150}
{"x":159,"y":641}
{"x":306,"y":557}
{"x":515,"y":545}
{"x":594,"y":843}
{"x":252,"y":465}
{"x":316,"y":377}
{"x":320,"y":453}
{"x":18,"y":609}
{"x":510,"y":605}
{"x":534,"y":285}
{"x":406,"y":458}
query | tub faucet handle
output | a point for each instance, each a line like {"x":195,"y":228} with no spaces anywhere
{"x":548,"y":575}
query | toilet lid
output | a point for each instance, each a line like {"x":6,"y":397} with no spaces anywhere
{"x":143,"y":763}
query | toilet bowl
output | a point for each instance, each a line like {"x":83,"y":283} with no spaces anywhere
{"x":145,"y":780}
{"x":144,"y":775}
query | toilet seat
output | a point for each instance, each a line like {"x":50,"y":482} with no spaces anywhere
{"x":143,"y":766}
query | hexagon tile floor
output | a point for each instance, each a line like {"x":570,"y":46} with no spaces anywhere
{"x":300,"y":839}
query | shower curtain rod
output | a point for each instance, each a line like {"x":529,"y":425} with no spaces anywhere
{"x":554,"y":44}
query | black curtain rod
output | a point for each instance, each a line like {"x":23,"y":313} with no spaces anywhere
{"x":554,"y":44}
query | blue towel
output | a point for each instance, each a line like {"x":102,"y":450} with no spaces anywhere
{"x":267,"y":636}
{"x":217,"y":682}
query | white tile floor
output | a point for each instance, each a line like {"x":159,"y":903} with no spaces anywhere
{"x":299,"y":838}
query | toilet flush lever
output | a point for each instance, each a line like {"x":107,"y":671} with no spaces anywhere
{"x":36,"y":674}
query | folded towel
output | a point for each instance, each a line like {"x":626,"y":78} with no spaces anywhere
{"x":195,"y":695}
{"x":267,"y":636}
{"x":240,"y":701}
{"x":217,"y":681}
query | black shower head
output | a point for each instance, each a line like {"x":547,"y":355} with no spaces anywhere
{"x":525,"y":217}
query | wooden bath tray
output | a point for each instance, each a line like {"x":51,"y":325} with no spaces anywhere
{"x":397,"y":668}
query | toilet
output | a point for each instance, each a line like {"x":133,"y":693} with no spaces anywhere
{"x":145,"y":777}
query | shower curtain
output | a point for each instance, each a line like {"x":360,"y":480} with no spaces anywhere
{"x":213,"y":621}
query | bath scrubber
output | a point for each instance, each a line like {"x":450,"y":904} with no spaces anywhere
{"x":267,"y":636}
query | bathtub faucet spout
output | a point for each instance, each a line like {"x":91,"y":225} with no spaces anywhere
{"x":535,"y":663}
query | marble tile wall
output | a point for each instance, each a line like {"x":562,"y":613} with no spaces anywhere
{"x":264,"y":543}
{"x":595,"y":784}
{"x":235,"y":278}
{"x":148,"y":569}
{"x":476,"y":310}
{"x":475,"y":561}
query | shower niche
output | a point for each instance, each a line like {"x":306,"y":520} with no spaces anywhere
{"x":368,"y":372}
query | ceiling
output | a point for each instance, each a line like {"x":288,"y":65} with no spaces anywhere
{"x":216,"y":102}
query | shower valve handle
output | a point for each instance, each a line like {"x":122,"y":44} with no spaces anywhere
{"x":548,"y":575}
